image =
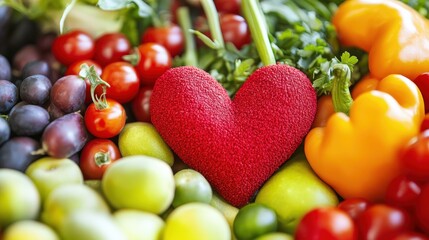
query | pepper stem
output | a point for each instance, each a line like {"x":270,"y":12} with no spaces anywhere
{"x":213,"y":21}
{"x":341,"y":95}
{"x":259,"y":30}
{"x":95,"y":80}
{"x":102,"y":158}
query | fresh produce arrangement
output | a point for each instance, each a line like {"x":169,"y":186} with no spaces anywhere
{"x":214,"y":119}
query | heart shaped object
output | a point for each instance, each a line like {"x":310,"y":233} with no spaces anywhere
{"x":236,"y":144}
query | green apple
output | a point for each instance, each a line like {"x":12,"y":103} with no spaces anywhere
{"x":140,"y":138}
{"x":196,"y":221}
{"x":19,"y":198}
{"x":90,"y":225}
{"x":70,"y":198}
{"x":191,"y":186}
{"x":139,"y":225}
{"x":293,"y":191}
{"x":139,"y":182}
{"x":48,"y":173}
{"x":29,"y":229}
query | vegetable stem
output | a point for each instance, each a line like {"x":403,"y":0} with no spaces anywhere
{"x":341,"y":96}
{"x":95,"y":80}
{"x":213,"y":21}
{"x":102,"y":158}
{"x":259,"y":30}
{"x":190,"y":55}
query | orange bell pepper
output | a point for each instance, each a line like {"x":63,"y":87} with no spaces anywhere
{"x":395,"y":36}
{"x":357,"y":152}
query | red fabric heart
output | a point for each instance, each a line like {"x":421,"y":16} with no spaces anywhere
{"x":236,"y":144}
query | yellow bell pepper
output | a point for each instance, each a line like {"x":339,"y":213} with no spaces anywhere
{"x":357,"y":152}
{"x":395,"y":36}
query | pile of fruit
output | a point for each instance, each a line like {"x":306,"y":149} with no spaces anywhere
{"x":214,"y":119}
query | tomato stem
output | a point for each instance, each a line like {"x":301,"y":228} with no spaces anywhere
{"x":102,"y":158}
{"x":341,"y":96}
{"x":95,"y":80}
{"x":190,"y":55}
{"x":5,"y":117}
{"x":214,"y":23}
{"x":259,"y":30}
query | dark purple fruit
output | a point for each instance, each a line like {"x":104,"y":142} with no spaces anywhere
{"x":8,"y":95}
{"x":68,"y":93}
{"x":5,"y":70}
{"x":38,"y":67}
{"x":35,"y":89}
{"x":4,"y":131}
{"x":28,"y":120}
{"x":18,"y":152}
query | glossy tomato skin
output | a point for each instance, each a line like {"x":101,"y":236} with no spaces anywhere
{"x":171,"y":37}
{"x":141,"y":105}
{"x":422,"y":209}
{"x":425,"y":123}
{"x":235,"y":30}
{"x":380,"y":222}
{"x":411,"y":236}
{"x":154,"y":61}
{"x":422,"y":82}
{"x":123,"y":80}
{"x":110,"y":48}
{"x":96,"y":157}
{"x":402,"y":192}
{"x":322,"y":223}
{"x":73,"y":46}
{"x":74,"y":69}
{"x":415,"y":157}
{"x":354,"y":207}
{"x":105,"y":123}
{"x":228,"y":6}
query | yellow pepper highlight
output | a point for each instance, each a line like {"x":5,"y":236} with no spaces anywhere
{"x":395,"y":35}
{"x":357,"y":155}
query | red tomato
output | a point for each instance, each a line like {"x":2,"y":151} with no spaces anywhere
{"x":154,"y":61}
{"x":171,"y":37}
{"x":111,"y":47}
{"x":74,"y":69}
{"x":96,"y":156}
{"x":105,"y":123}
{"x":326,"y":223}
{"x":411,"y":236}
{"x":380,"y":222}
{"x":228,"y":6}
{"x":402,"y":192}
{"x":415,"y":157}
{"x":72,"y":47}
{"x":425,"y":123}
{"x":422,"y":82}
{"x":123,"y":80}
{"x":422,"y":209}
{"x":354,"y":207}
{"x":140,"y":105}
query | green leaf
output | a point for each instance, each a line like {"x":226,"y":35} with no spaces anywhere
{"x":144,"y":9}
{"x":206,"y":40}
{"x":346,"y":58}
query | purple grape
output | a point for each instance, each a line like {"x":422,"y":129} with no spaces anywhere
{"x":8,"y":95}
{"x":4,"y":131}
{"x":65,"y":136}
{"x":35,"y":89}
{"x":28,"y":120}
{"x":55,"y":112}
{"x":27,"y":54}
{"x":18,"y":152}
{"x":68,"y":93}
{"x":5,"y":71}
{"x":38,"y":67}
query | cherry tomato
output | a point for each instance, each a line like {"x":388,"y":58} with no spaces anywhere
{"x":381,"y":222}
{"x":323,"y":223}
{"x":72,"y":47}
{"x":422,"y":82}
{"x":171,"y":37}
{"x":96,"y":156}
{"x":140,"y":105}
{"x":105,"y":123}
{"x":154,"y":61}
{"x":235,"y":30}
{"x":422,"y":209}
{"x":354,"y":207}
{"x":74,"y":69}
{"x":402,"y":192}
{"x":425,"y":123}
{"x":228,"y":6}
{"x":111,"y":47}
{"x":415,"y":157}
{"x":123,"y":80}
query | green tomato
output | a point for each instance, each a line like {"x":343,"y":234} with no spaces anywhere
{"x":139,"y":182}
{"x":254,"y":220}
{"x":19,"y":198}
{"x":191,"y":186}
{"x":196,"y":221}
{"x":29,"y":229}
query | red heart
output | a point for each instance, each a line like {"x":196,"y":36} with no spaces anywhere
{"x":236,"y":144}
